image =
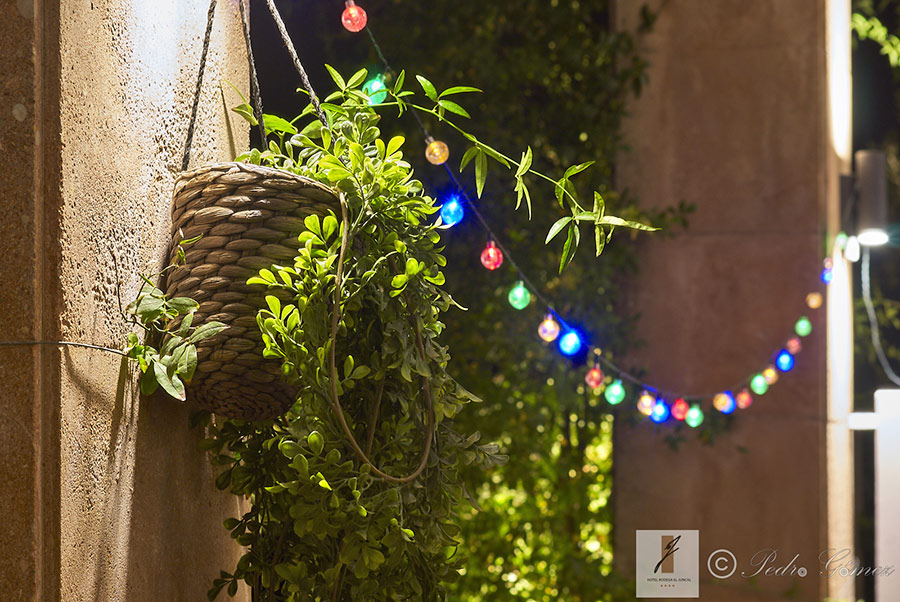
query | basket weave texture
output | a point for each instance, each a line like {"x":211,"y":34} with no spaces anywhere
{"x":249,"y":217}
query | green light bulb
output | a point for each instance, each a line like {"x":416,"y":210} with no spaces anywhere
{"x":759,"y":385}
{"x":841,"y":240}
{"x":615,"y":392}
{"x":376,"y":90}
{"x":694,"y":416}
{"x":519,"y":297}
{"x":803,"y":326}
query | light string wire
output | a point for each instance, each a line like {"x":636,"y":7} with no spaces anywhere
{"x":534,"y":290}
{"x":866,"y":285}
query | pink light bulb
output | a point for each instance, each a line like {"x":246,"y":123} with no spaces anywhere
{"x":354,"y":17}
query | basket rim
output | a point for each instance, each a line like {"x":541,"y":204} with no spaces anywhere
{"x":262,"y":170}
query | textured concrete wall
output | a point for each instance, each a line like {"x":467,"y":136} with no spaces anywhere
{"x":108,"y":497}
{"x":734,"y":120}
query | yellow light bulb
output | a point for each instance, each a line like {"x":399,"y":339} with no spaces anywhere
{"x":549,"y":329}
{"x":814,"y":300}
{"x":645,"y":403}
{"x":771,"y":375}
{"x":437,"y":152}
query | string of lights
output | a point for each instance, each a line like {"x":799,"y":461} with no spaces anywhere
{"x":657,"y":403}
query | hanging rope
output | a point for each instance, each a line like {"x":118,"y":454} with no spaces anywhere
{"x":255,"y":94}
{"x":304,"y":78}
{"x":186,"y":158}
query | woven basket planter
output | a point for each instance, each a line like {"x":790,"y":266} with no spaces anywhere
{"x":250,"y":217}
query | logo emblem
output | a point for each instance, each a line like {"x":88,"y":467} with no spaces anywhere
{"x":668,"y":564}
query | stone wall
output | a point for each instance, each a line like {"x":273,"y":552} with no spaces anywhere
{"x":106,"y":493}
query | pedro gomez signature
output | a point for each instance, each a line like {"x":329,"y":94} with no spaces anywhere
{"x":722,"y":564}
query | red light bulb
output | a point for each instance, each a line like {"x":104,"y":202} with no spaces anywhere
{"x":680,"y":409}
{"x":594,"y":377}
{"x":793,"y":346}
{"x":354,"y":18}
{"x":744,"y":399}
{"x":491,"y":257}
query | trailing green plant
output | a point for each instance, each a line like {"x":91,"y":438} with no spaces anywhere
{"x":355,"y":492}
{"x":167,"y":355}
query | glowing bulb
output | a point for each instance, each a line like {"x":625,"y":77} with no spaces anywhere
{"x":354,"y":17}
{"x":744,"y":399}
{"x":452,"y":211}
{"x":594,"y":377}
{"x":826,"y":275}
{"x":803,"y":326}
{"x":694,"y":416}
{"x":660,"y":412}
{"x":771,"y":375}
{"x":615,"y":392}
{"x":784,"y":361}
{"x":549,"y":329}
{"x":852,"y":250}
{"x":841,"y":239}
{"x":828,"y":263}
{"x":793,"y":346}
{"x":376,"y":90}
{"x":759,"y":385}
{"x":519,"y":297}
{"x":570,"y":343}
{"x":437,"y":152}
{"x":724,"y":402}
{"x":645,"y":403}
{"x":491,"y":257}
{"x":680,"y":409}
{"x":814,"y":300}
{"x":873,"y":237}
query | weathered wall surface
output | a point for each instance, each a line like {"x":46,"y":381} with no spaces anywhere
{"x":107,"y":496}
{"x":141,"y":518}
{"x":733,"y":119}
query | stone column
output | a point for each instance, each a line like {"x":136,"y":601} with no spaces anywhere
{"x":106,"y":495}
{"x":734,"y":119}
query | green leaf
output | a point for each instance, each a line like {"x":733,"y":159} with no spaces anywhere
{"x":183,"y":305}
{"x":170,"y":384}
{"x":205,"y":331}
{"x":458,"y":90}
{"x":185,"y":325}
{"x":568,"y":249}
{"x":188,"y":364}
{"x":557,"y":227}
{"x":336,"y":77}
{"x":274,"y":123}
{"x":428,"y":87}
{"x":480,"y":172}
{"x":246,"y":111}
{"x":149,"y":385}
{"x":468,"y":156}
{"x":599,"y":240}
{"x":454,"y":108}
{"x":525,"y":163}
{"x":577,"y":169}
{"x":394,"y":145}
{"x":357,"y":78}
{"x":316,"y":442}
{"x":612,"y":220}
{"x":398,"y":85}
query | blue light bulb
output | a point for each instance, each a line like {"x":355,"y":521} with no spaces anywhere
{"x":570,"y":343}
{"x":452,"y":211}
{"x":784,"y":361}
{"x":827,"y":275}
{"x":660,"y":411}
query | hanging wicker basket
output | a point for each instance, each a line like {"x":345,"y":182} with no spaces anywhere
{"x":249,"y":218}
